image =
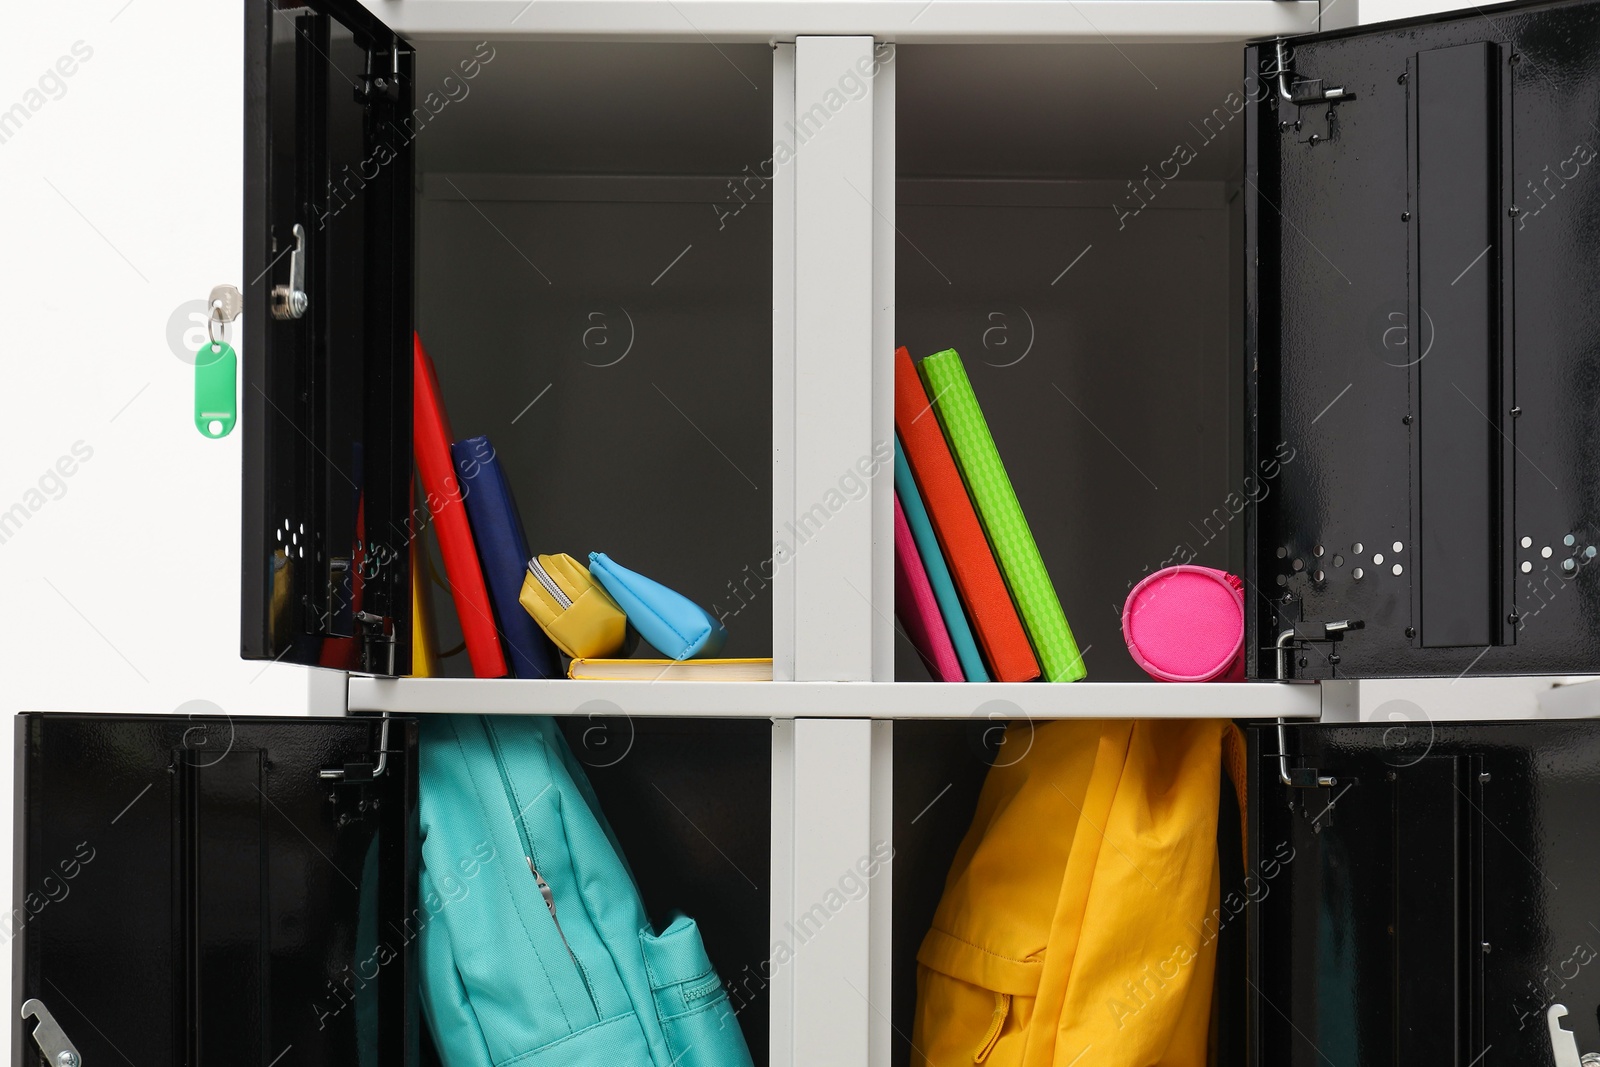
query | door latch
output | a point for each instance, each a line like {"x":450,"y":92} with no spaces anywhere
{"x":1564,"y":1045}
{"x":59,"y":1051}
{"x":289,"y":301}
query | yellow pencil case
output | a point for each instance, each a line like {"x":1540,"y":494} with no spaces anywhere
{"x":570,"y":606}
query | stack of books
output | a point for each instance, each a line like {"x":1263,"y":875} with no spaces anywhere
{"x":468,"y":499}
{"x":971,"y":589}
{"x":481,"y":540}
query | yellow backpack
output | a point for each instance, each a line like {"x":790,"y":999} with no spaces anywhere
{"x":1078,"y":923}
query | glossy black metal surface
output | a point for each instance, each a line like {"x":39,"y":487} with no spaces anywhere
{"x":1421,"y":344}
{"x":1432,"y":903}
{"x":327,"y":397}
{"x":188,"y":890}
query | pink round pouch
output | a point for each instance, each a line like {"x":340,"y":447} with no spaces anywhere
{"x":1186,"y":624}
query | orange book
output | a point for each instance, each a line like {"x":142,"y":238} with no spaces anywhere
{"x":972,"y":565}
{"x":431,"y":441}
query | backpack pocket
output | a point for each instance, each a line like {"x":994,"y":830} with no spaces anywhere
{"x":614,"y":1042}
{"x":693,"y":1008}
{"x":973,"y":1005}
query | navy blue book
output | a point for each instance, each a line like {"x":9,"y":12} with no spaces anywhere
{"x":503,"y":552}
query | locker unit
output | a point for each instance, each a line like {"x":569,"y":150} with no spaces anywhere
{"x":1235,"y":286}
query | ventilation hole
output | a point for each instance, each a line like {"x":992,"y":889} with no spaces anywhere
{"x":280,"y":535}
{"x":1359,"y":574}
{"x":1527,"y":568}
{"x":1282,"y":552}
{"x":1569,"y":540}
{"x":1397,"y":546}
{"x":1283,"y":579}
{"x":1299,"y":565}
{"x":1321,"y":575}
{"x":1569,"y":565}
{"x":1527,"y":542}
{"x":302,"y":551}
{"x":1545,"y":552}
{"x":1397,"y":570}
{"x":1317,"y":552}
{"x":1377,"y":557}
{"x":1357,"y":548}
{"x":1338,"y":560}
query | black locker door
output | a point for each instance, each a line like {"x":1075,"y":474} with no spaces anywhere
{"x":214,"y":890}
{"x":1422,"y":205}
{"x":327,"y":337}
{"x":1432,"y":901}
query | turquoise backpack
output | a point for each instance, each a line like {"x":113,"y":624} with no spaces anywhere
{"x":536,"y":950}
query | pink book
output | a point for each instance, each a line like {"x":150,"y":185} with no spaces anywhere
{"x":914,"y":602}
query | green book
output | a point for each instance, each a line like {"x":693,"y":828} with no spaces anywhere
{"x":1001,"y":515}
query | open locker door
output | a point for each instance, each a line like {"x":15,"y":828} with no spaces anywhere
{"x":1432,"y":901}
{"x":327,"y":337}
{"x":1422,"y":203}
{"x":214,"y":890}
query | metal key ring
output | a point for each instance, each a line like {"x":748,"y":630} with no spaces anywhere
{"x":215,"y":319}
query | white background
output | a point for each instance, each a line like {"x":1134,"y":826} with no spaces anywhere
{"x":122,"y":200}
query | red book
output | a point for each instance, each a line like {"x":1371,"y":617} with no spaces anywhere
{"x":966,"y":550}
{"x":442,"y":492}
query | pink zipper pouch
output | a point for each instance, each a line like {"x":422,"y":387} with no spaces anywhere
{"x":1186,"y":624}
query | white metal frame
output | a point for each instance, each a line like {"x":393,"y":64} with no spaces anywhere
{"x":903,"y":21}
{"x":833,"y":700}
{"x":881,"y":700}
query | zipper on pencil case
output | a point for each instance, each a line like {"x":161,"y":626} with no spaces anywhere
{"x":536,"y":569}
{"x":527,"y":848}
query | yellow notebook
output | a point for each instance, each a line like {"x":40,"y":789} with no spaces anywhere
{"x":666,"y":670}
{"x":424,"y":635}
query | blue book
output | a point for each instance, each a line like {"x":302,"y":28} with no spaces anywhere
{"x":503,"y":552}
{"x":944,"y":590}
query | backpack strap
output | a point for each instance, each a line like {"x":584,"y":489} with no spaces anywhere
{"x":1236,"y":763}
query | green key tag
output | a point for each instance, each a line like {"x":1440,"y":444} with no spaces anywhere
{"x":216,"y":388}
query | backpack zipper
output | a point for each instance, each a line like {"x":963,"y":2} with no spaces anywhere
{"x":528,"y":854}
{"x":550,"y":902}
{"x":541,"y":575}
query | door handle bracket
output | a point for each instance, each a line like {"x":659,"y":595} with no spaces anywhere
{"x":289,"y":301}
{"x":58,"y":1049}
{"x":1564,"y":1045}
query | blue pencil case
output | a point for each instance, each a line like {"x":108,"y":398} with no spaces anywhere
{"x":675,"y":625}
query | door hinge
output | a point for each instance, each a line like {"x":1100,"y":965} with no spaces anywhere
{"x":1294,"y":95}
{"x":1305,"y":633}
{"x":381,"y":79}
{"x":58,"y":1049}
{"x":377,"y":642}
{"x":1306,"y":777}
{"x":357,"y":773}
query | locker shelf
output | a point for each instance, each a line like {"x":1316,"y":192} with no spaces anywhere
{"x":699,"y":21}
{"x":883,"y":700}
